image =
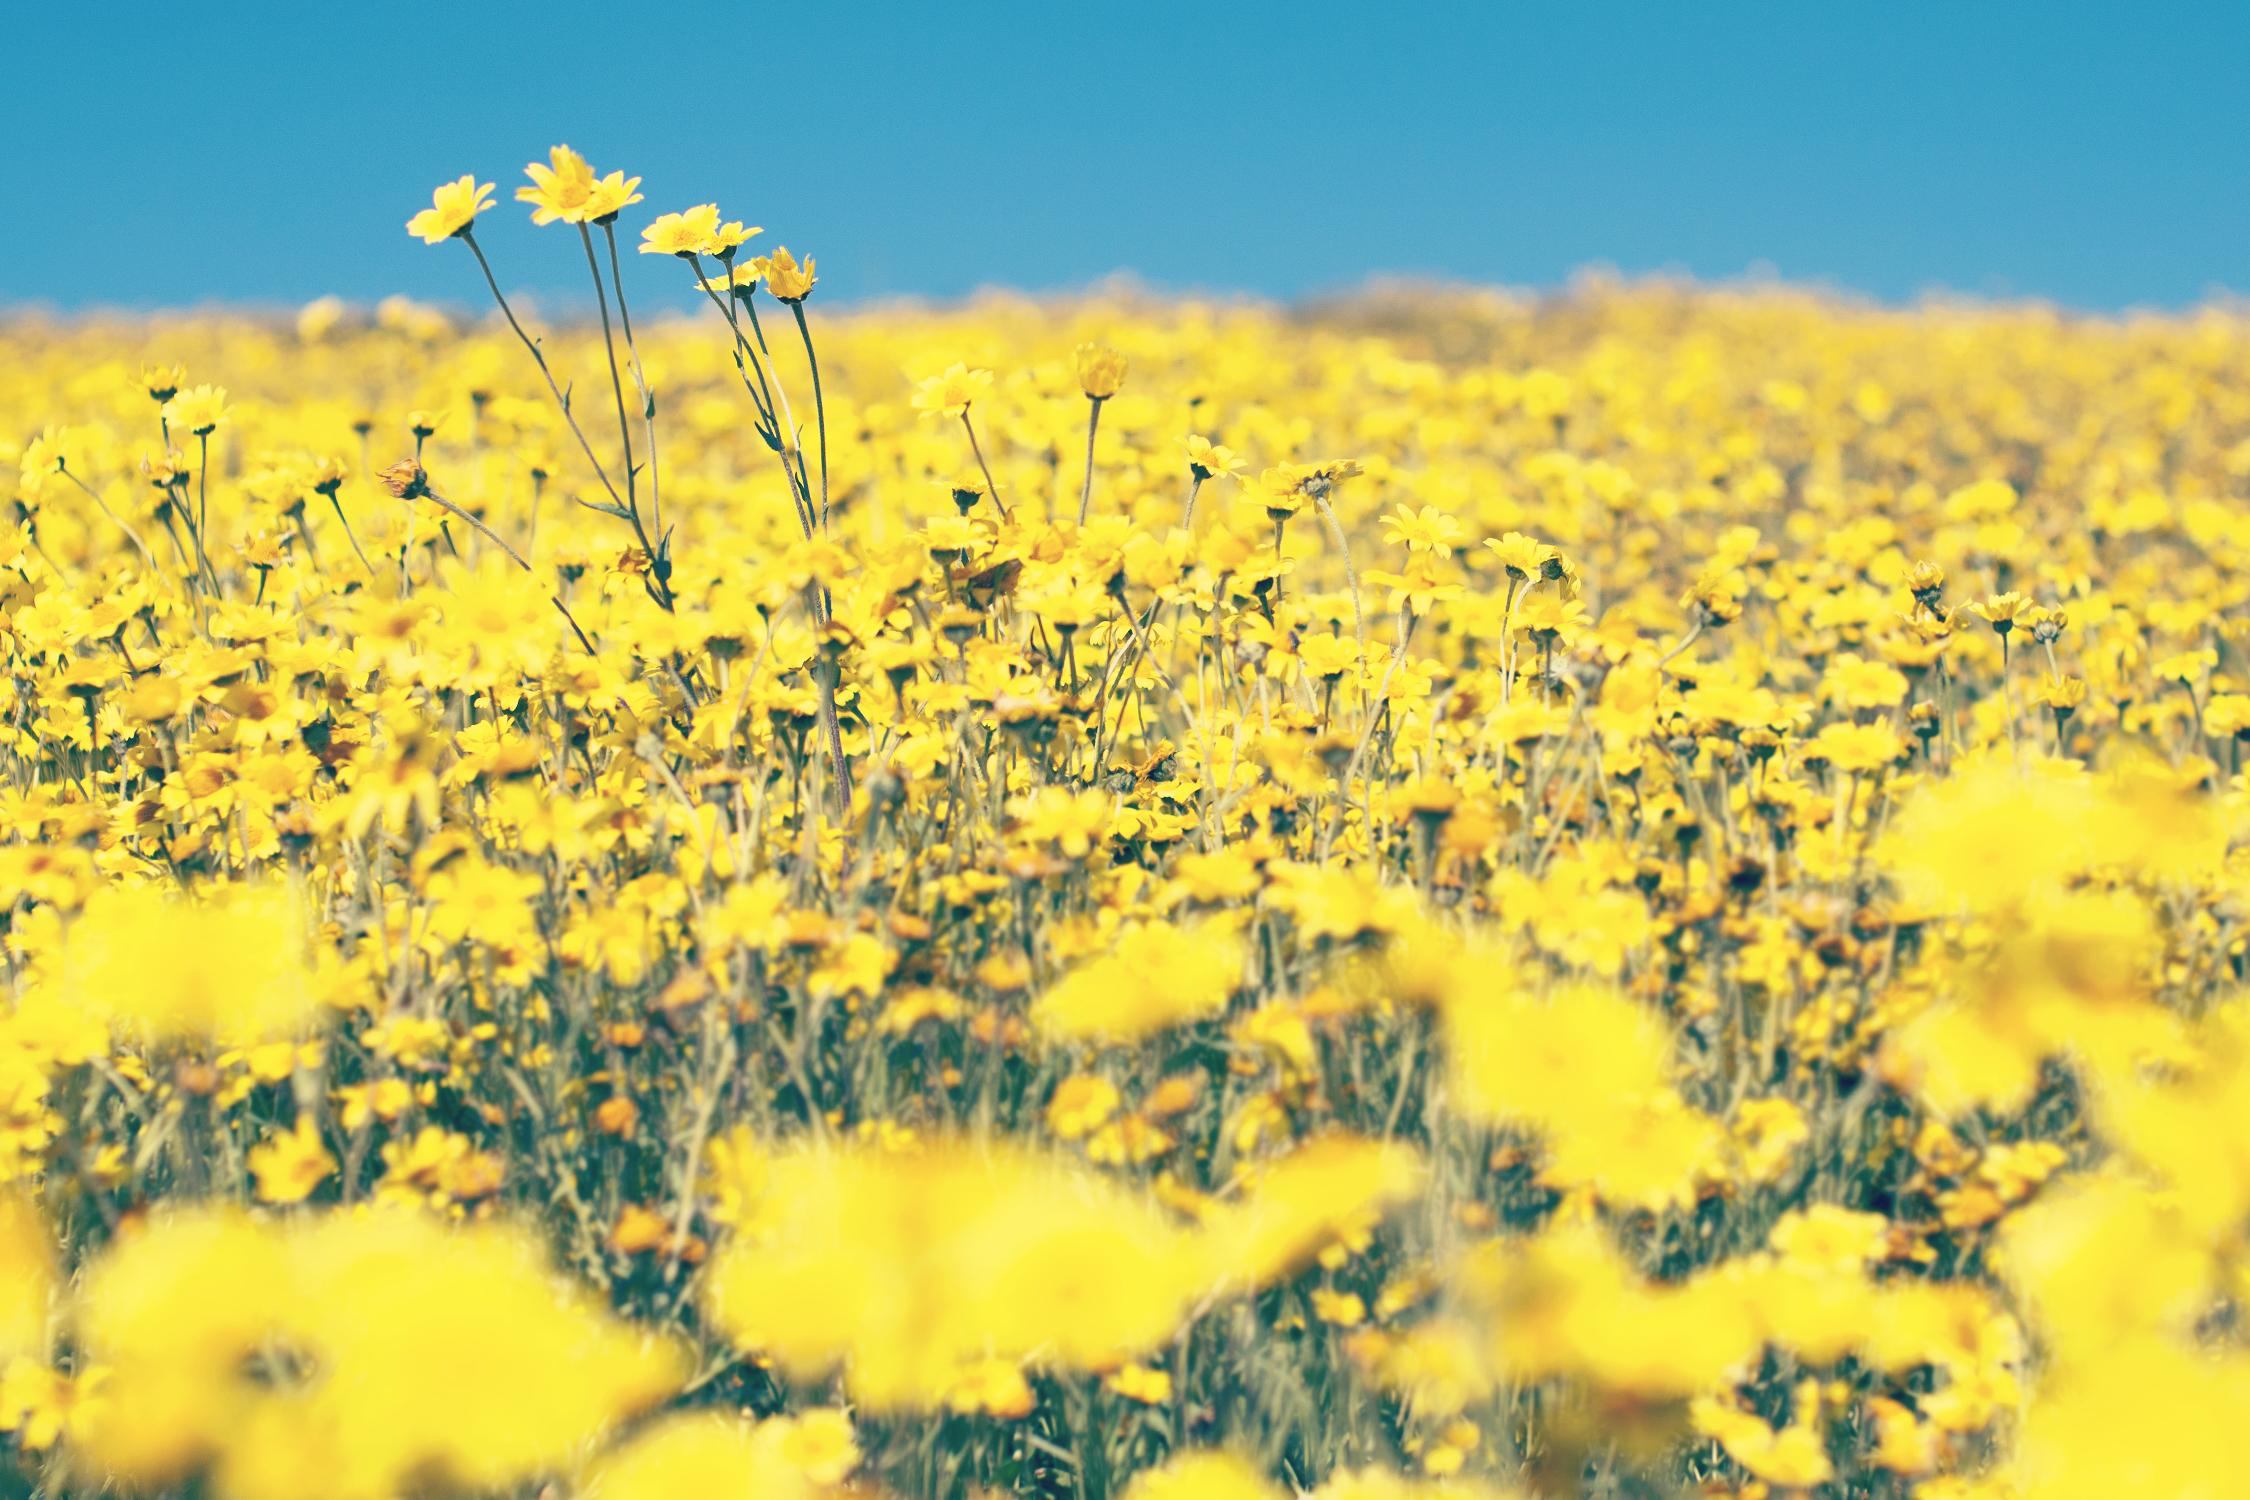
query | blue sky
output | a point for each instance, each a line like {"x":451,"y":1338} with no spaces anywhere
{"x":2095,"y":155}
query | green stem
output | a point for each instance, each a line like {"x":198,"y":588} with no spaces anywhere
{"x":820,"y":408}
{"x":640,"y":379}
{"x":991,"y":487}
{"x":1086,"y":494}
{"x":609,"y":349}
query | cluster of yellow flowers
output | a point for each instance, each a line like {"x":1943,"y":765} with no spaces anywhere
{"x":1639,"y":892}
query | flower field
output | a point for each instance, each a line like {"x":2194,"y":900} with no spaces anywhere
{"x":1636,"y":893}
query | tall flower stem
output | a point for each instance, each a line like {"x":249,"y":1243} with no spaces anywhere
{"x":337,"y":502}
{"x":991,"y":488}
{"x":640,"y":379}
{"x":609,"y":350}
{"x":661,"y":590}
{"x":820,"y":407}
{"x":1093,"y":425}
{"x":514,"y":556}
{"x":779,"y":399}
{"x":765,"y":395}
{"x":1351,"y":577}
{"x":747,"y":363}
{"x":202,"y":524}
{"x":135,"y":537}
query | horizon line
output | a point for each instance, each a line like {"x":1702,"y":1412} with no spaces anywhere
{"x":1586,"y":282}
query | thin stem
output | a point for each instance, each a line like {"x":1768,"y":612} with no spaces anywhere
{"x":202,"y":526}
{"x":780,"y":397}
{"x":1695,"y":630}
{"x":139,"y":545}
{"x":337,"y":502}
{"x":609,"y":348}
{"x":305,"y":534}
{"x":1508,"y":639}
{"x":1351,"y":576}
{"x":833,"y":728}
{"x":203,"y":484}
{"x":1366,"y":735}
{"x":761,"y":397}
{"x":640,"y":379}
{"x":1093,"y":425}
{"x":531,"y":345}
{"x":514,"y":556}
{"x":188,"y":570}
{"x":827,"y":675}
{"x":750,"y":306}
{"x":723,"y":300}
{"x":990,"y":487}
{"x":820,"y":408}
{"x":1135,"y":651}
{"x":208,"y":574}
{"x":2008,"y":692}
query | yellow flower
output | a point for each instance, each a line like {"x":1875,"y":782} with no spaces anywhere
{"x":910,"y":1270}
{"x":199,"y":411}
{"x":162,"y":381}
{"x":453,"y":210}
{"x":739,"y":280}
{"x":687,"y":234}
{"x":950,"y":394}
{"x":1138,"y":1382}
{"x":44,"y":1406}
{"x":786,"y":281}
{"x":732,"y":236}
{"x":345,"y":1355}
{"x":1793,"y":1458}
{"x":561,"y":190}
{"x":1154,"y":976}
{"x":1829,"y":1239}
{"x":611,"y":196}
{"x":1327,"y":1190}
{"x":229,"y":965}
{"x":290,"y":1165}
{"x":818,"y":1444}
{"x":1860,"y":684}
{"x":1769,"y":1132}
{"x":1100,"y":370}
{"x":27,"y":1278}
{"x":2002,"y":610}
{"x":1209,"y":460}
{"x":1856,"y":748}
{"x":1202,"y":1476}
{"x":1080,"y":1105}
{"x":176,"y":1311}
{"x":1426,"y":530}
{"x":2064,"y":696}
{"x":697,"y":1453}
{"x":996,"y":1386}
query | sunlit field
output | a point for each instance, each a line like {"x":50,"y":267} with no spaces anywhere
{"x":1635,"y":893}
